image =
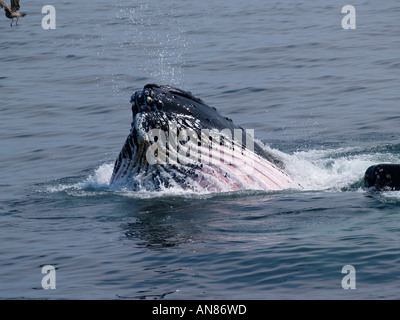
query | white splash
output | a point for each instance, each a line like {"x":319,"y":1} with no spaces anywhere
{"x":100,"y":178}
{"x":314,"y":170}
{"x":330,"y":169}
{"x":321,"y":170}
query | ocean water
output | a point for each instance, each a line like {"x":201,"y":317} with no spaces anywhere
{"x":323,"y":98}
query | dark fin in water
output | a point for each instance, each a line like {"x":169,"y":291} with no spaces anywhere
{"x":383,"y":177}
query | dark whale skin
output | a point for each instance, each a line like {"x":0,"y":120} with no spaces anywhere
{"x":383,"y":177}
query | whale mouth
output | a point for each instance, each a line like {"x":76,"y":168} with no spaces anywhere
{"x":177,"y":141}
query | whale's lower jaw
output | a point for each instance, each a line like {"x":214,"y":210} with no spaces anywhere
{"x":222,"y":168}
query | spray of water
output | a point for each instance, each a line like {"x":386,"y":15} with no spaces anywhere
{"x":162,"y":45}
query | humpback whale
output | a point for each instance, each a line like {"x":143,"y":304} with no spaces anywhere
{"x":177,"y":140}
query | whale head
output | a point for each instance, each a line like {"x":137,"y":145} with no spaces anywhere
{"x":176,"y":140}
